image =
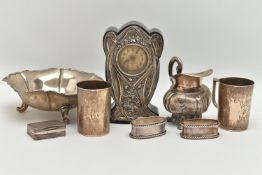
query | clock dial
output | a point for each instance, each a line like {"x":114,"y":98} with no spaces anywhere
{"x":132,"y":59}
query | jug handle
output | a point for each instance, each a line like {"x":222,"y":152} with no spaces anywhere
{"x":215,"y":80}
{"x":179,"y":67}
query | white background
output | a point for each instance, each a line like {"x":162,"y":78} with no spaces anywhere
{"x":225,"y":35}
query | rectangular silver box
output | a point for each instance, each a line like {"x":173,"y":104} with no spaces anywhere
{"x":46,"y":129}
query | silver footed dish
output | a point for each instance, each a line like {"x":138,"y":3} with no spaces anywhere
{"x":52,"y":89}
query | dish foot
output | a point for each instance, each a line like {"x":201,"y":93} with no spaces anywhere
{"x":64,"y":111}
{"x":22,"y":108}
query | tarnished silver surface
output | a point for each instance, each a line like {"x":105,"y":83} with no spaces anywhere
{"x":148,"y":127}
{"x":51,"y":89}
{"x":46,"y":129}
{"x":94,"y":107}
{"x":199,"y":129}
{"x":187,"y":97}
{"x":234,"y":102}
{"x":132,"y":66}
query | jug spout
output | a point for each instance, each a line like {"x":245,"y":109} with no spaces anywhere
{"x":182,"y":81}
{"x":187,"y":82}
{"x":192,"y":80}
{"x":201,"y":74}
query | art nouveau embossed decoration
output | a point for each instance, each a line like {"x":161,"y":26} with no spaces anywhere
{"x":234,"y":102}
{"x":132,"y":66}
{"x":187,"y":97}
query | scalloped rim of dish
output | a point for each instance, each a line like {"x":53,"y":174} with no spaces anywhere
{"x":69,"y":69}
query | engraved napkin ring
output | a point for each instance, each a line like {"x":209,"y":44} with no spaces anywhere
{"x":199,"y":129}
{"x":148,"y":127}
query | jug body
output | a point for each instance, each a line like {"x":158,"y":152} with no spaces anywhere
{"x":187,"y":96}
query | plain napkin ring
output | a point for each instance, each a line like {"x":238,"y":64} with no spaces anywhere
{"x":199,"y":129}
{"x":148,"y":127}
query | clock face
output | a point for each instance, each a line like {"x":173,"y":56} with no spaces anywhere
{"x":132,"y":59}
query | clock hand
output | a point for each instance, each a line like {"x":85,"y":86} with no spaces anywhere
{"x":137,"y":50}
